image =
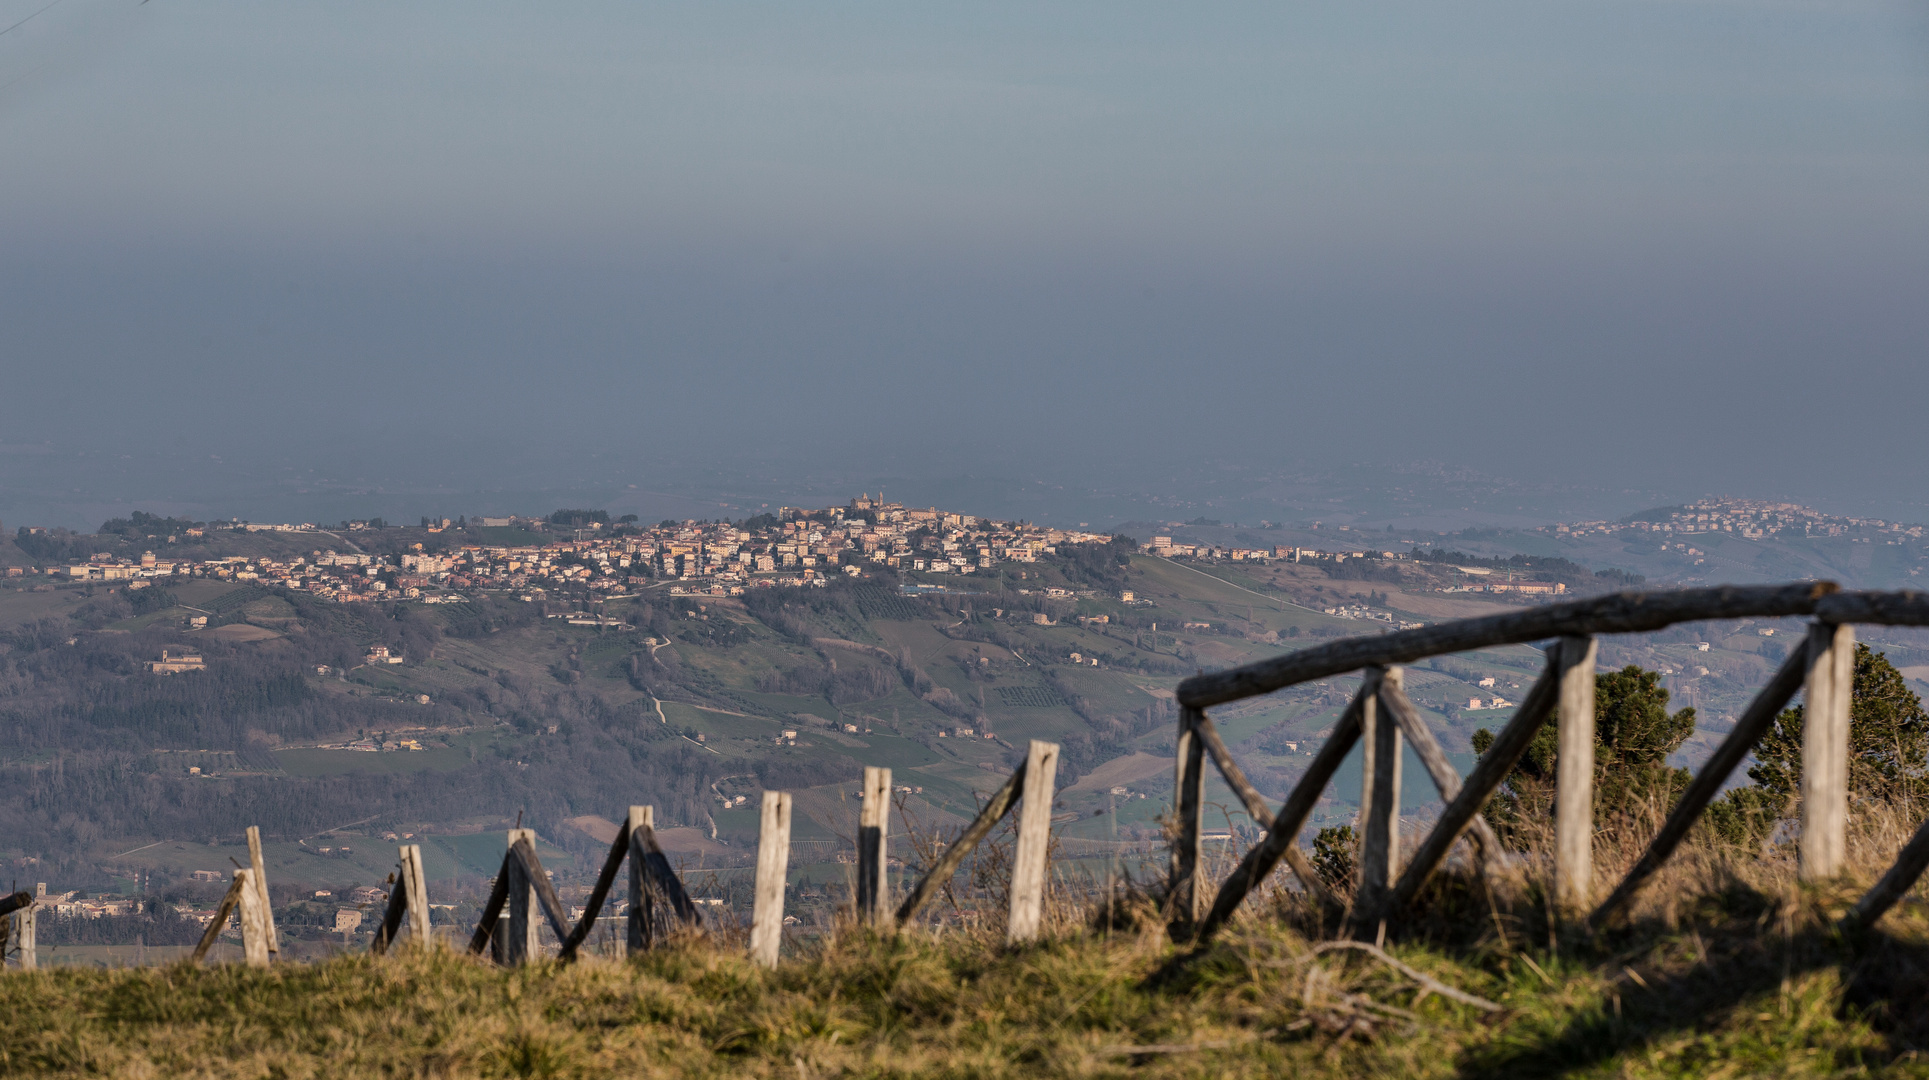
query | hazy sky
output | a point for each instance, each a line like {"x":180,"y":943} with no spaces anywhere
{"x":1673,"y":245}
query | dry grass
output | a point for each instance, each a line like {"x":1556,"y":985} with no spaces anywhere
{"x":1726,"y":969}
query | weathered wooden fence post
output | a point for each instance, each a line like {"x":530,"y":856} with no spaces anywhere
{"x":1185,"y":894}
{"x":1379,"y":799}
{"x":642,"y":914}
{"x":260,"y":876}
{"x":408,"y":900}
{"x":520,"y":932}
{"x":1574,"y":776}
{"x":27,"y":935}
{"x":1029,"y":867}
{"x":1825,"y":751}
{"x":873,"y":871}
{"x":415,"y":890}
{"x":254,"y":918}
{"x":773,"y":863}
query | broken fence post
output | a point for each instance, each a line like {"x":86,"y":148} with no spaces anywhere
{"x":773,"y":862}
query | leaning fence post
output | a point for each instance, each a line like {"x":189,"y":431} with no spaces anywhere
{"x":954,"y":856}
{"x":642,"y":914}
{"x":254,"y":918}
{"x":1034,"y":842}
{"x":1748,"y":730}
{"x":1574,"y":775}
{"x":1825,"y":751}
{"x":260,"y":876}
{"x":1895,"y":884}
{"x":773,"y":862}
{"x":1189,"y":809}
{"x":218,"y":922}
{"x":1379,"y":798}
{"x":521,"y":940}
{"x":873,"y":822}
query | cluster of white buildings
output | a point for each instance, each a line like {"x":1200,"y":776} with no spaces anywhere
{"x":1164,"y":547}
{"x":1746,"y":518}
{"x":798,"y":547}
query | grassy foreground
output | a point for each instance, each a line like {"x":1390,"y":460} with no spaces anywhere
{"x":1739,"y":983}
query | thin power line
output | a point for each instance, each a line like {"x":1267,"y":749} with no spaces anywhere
{"x":32,"y":17}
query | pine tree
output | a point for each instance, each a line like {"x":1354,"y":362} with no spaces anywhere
{"x":1633,"y":735}
{"x":1333,"y":851}
{"x":1888,"y":745}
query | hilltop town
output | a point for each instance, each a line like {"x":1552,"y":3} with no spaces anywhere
{"x":1747,"y":518}
{"x":793,"y":547}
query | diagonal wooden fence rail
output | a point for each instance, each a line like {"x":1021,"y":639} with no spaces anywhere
{"x":1381,"y":717}
{"x":523,"y":898}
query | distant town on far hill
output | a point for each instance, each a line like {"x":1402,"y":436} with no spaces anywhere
{"x":804,"y":547}
{"x":792,"y":547}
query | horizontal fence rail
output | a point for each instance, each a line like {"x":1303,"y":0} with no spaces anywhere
{"x":1382,"y":715}
{"x":1620,"y":613}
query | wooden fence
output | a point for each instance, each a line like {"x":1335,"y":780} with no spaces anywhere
{"x":1382,"y":717}
{"x":523,"y":888}
{"x":522,"y":897}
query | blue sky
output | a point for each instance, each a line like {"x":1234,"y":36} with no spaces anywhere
{"x":1677,"y":242}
